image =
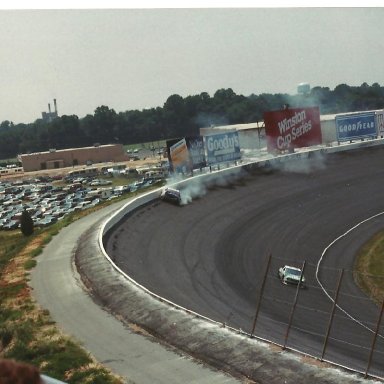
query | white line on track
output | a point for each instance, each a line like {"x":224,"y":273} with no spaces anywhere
{"x":321,"y":259}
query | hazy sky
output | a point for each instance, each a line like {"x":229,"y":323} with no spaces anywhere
{"x":136,"y":58}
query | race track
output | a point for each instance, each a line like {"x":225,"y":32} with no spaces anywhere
{"x":210,"y":255}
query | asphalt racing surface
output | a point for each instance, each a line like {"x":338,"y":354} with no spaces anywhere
{"x":211,"y":255}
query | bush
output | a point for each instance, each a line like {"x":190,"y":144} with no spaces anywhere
{"x":60,"y":356}
{"x":29,"y":264}
{"x":26,"y":223}
{"x":6,"y":336}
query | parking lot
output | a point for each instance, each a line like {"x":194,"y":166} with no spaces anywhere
{"x":49,"y":198}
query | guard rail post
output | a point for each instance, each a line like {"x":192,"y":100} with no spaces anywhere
{"x":332,"y":314}
{"x":261,"y":295}
{"x":294,"y":305}
{"x":374,"y":339}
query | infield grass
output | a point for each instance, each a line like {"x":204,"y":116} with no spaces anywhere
{"x":369,"y":267}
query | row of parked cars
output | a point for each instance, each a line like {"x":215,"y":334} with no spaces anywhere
{"x":48,"y":202}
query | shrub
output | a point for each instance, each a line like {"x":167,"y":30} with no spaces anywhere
{"x":26,"y":223}
{"x":6,"y":336}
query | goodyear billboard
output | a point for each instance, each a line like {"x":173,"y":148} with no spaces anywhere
{"x":222,"y":147}
{"x":355,"y":126}
{"x":292,"y":128}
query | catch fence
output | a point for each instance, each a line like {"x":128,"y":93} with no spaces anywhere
{"x":331,"y":318}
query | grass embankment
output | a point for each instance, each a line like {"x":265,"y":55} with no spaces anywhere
{"x":369,"y":268}
{"x":27,"y":333}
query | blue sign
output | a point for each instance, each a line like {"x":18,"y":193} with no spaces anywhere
{"x":196,"y":151}
{"x":357,"y":126}
{"x":222,"y":147}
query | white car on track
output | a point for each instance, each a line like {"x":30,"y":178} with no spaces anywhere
{"x":291,"y":275}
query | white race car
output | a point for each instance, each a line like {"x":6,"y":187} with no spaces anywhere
{"x":291,"y":275}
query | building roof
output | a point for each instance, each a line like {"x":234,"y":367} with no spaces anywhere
{"x":260,"y":124}
{"x":236,"y":127}
{"x":333,"y":116}
{"x":68,"y":149}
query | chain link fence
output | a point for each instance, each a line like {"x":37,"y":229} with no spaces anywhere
{"x":329,"y":317}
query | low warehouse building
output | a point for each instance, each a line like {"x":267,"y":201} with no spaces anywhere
{"x":61,"y":158}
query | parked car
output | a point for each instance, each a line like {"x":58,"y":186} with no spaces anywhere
{"x":99,"y":182}
{"x":121,"y":189}
{"x":291,"y":275}
{"x":12,"y":224}
{"x":105,"y":182}
{"x":47,"y":220}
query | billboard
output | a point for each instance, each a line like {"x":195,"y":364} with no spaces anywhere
{"x":179,"y":156}
{"x":292,"y":128}
{"x":222,"y":147}
{"x":380,"y":123}
{"x":355,"y":126}
{"x":196,"y":151}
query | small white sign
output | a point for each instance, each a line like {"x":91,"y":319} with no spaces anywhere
{"x":380,"y":123}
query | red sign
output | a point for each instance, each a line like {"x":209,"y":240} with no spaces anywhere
{"x":292,"y":128}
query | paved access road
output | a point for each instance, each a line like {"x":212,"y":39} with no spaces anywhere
{"x":138,"y":359}
{"x":210,"y":256}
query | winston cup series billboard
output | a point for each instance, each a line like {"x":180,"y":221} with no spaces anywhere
{"x":292,"y":128}
{"x":222,"y":147}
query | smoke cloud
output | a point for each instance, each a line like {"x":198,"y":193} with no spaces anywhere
{"x":194,"y":190}
{"x":198,"y":186}
{"x":206,"y":120}
{"x":304,"y":164}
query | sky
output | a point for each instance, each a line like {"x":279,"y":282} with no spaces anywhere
{"x":136,"y":57}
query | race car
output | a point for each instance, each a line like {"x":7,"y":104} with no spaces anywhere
{"x":291,"y":275}
{"x":171,"y":195}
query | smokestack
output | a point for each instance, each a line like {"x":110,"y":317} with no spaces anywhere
{"x":49,"y":108}
{"x":54,"y":102}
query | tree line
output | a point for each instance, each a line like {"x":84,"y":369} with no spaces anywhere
{"x":179,"y":117}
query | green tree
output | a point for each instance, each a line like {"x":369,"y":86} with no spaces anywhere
{"x":174,"y":115}
{"x":178,"y":117}
{"x":104,"y":124}
{"x":26,"y":223}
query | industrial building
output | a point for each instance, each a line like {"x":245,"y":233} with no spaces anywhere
{"x":49,"y":116}
{"x":62,"y":158}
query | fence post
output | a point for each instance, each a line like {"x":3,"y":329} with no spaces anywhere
{"x":261,"y":295}
{"x":374,"y":339}
{"x":332,"y":314}
{"x":294,"y":306}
